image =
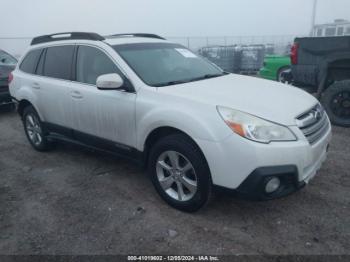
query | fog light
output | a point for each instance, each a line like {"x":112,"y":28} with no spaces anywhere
{"x":272,"y":185}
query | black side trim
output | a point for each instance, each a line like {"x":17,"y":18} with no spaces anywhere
{"x":57,"y":129}
{"x":56,"y":132}
{"x":74,"y":64}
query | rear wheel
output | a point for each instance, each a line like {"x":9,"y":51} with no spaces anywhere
{"x":180,"y":173}
{"x":35,"y":130}
{"x":336,"y":101}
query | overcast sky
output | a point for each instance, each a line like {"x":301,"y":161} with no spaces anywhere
{"x":167,"y":17}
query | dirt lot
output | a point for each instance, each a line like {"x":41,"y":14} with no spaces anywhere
{"x":74,"y":201}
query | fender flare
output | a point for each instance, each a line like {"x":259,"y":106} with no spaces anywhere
{"x":322,"y":75}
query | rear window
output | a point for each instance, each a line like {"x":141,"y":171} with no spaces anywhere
{"x":58,"y":62}
{"x":29,"y":63}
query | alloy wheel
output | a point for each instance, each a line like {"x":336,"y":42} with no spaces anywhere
{"x":341,"y":104}
{"x":176,"y":176}
{"x":34,"y":129}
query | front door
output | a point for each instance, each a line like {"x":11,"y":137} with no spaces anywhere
{"x":104,"y":114}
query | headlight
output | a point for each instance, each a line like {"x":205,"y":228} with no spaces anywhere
{"x":255,"y":128}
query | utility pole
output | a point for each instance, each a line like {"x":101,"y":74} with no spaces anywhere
{"x":314,"y":12}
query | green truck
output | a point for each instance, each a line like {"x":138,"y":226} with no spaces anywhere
{"x":274,"y":67}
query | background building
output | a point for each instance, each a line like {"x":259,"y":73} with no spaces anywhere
{"x":339,"y":27}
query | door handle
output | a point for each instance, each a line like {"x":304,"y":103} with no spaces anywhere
{"x":76,"y":94}
{"x":36,"y":85}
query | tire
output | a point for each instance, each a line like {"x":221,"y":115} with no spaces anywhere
{"x":336,"y":101}
{"x":195,"y":182}
{"x":279,"y":76}
{"x":35,"y":130}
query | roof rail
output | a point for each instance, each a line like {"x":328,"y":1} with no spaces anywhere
{"x":136,"y":35}
{"x":66,"y":36}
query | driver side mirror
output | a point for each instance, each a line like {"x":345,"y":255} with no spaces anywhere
{"x":110,"y":82}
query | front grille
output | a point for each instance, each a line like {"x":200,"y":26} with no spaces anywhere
{"x":314,"y":124}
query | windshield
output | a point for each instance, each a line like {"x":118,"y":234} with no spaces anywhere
{"x":164,"y":64}
{"x":6,"y":59}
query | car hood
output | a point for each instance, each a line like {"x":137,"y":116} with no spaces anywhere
{"x":266,"y":99}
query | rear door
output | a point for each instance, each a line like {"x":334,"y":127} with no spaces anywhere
{"x":27,"y":79}
{"x":106,"y":114}
{"x":55,"y":67}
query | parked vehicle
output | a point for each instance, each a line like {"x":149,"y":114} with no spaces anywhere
{"x":322,"y":64}
{"x":275,"y":68}
{"x":192,"y":125}
{"x":7,"y":64}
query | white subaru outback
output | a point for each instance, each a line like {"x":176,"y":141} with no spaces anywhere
{"x":194,"y":126}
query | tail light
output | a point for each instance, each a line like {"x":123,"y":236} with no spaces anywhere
{"x":294,"y":53}
{"x":10,"y":78}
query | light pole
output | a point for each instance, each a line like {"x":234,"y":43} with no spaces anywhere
{"x":314,"y":12}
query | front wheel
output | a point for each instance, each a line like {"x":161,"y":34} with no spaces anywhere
{"x":180,"y":173}
{"x":336,"y":101}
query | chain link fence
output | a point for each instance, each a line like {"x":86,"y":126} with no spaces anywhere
{"x":240,"y":54}
{"x":196,"y":43}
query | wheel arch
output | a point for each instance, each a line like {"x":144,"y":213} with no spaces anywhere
{"x":333,"y":69}
{"x":163,"y":131}
{"x":279,"y":70}
{"x":22,"y":105}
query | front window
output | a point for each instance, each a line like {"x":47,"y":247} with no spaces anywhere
{"x":6,"y":59}
{"x":92,"y":63}
{"x":164,"y":64}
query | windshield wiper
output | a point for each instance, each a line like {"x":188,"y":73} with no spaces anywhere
{"x":171,"y":83}
{"x":208,"y":76}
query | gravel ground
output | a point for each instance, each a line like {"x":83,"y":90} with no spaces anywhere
{"x":74,"y":201}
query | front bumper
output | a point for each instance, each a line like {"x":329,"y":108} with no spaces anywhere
{"x":254,"y":186}
{"x":241,"y":165}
